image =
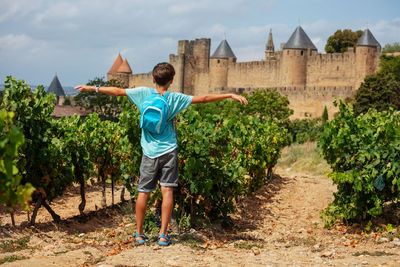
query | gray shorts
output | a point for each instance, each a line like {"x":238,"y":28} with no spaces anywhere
{"x":163,"y":168}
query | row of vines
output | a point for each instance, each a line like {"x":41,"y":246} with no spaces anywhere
{"x":364,"y":153}
{"x":224,"y":152}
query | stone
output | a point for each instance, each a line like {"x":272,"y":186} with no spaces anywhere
{"x":327,"y":254}
{"x":256,"y":251}
{"x":383,"y":239}
{"x":396,"y":243}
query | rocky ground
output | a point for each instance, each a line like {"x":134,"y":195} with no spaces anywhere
{"x":277,"y":226}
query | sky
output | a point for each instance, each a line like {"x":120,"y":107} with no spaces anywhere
{"x":80,"y":40}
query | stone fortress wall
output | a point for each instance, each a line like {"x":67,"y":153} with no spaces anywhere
{"x":309,"y":79}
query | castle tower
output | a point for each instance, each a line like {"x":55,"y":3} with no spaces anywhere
{"x":123,"y":73}
{"x":111,"y":74}
{"x":294,"y":59}
{"x":56,"y":88}
{"x":269,"y":48}
{"x":368,"y":51}
{"x":191,"y":61}
{"x":219,"y":65}
{"x":118,"y":61}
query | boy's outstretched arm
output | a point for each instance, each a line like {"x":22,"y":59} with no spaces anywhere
{"x":114,"y":91}
{"x":216,"y":97}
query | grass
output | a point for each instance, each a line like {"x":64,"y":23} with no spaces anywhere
{"x":248,"y":245}
{"x":374,"y":254}
{"x":303,"y":158}
{"x":12,"y":258}
{"x":14,"y":245}
{"x":298,"y":241}
{"x":190,"y":240}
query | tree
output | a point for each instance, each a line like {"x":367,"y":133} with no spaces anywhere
{"x":391,"y":64}
{"x":108,"y":107}
{"x":265,"y":103}
{"x":340,"y":41}
{"x":380,"y":91}
{"x":325,"y":116}
{"x":391,"y":48}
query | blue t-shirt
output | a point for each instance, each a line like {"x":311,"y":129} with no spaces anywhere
{"x":155,"y":145}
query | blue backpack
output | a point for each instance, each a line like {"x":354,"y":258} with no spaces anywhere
{"x":154,"y":113}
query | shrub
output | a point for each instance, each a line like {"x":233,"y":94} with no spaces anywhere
{"x":222,"y":159}
{"x":12,"y":192}
{"x":305,"y":130}
{"x":364,"y":154}
{"x":41,"y":160}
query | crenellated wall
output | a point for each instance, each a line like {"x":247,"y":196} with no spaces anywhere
{"x":308,"y":101}
{"x":336,"y":69}
{"x":143,"y":79}
{"x":202,"y":82}
{"x":122,"y":77}
{"x":254,"y":74}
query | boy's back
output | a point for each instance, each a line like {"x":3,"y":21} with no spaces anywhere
{"x":155,"y":145}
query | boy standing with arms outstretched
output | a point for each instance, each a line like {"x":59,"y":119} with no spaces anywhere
{"x":160,"y":155}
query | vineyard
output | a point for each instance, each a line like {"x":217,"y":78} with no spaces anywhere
{"x":222,"y":156}
{"x":228,"y":155}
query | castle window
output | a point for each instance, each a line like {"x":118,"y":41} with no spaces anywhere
{"x":301,"y":53}
{"x":288,"y":52}
{"x":218,"y":61}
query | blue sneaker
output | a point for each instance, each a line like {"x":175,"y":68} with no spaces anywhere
{"x":167,"y":241}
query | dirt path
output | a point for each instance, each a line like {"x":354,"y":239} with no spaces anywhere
{"x":277,"y":226}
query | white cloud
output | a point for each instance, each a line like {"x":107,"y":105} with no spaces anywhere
{"x":168,"y":41}
{"x":387,"y":32}
{"x":217,"y":30}
{"x":250,"y":53}
{"x":14,"y":10}
{"x":15,"y":42}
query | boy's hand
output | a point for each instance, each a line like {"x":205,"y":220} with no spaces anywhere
{"x":85,"y":88}
{"x":240,"y":98}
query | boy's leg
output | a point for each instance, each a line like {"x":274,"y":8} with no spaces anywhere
{"x":147,"y":183}
{"x":166,"y":207}
{"x":141,"y":205}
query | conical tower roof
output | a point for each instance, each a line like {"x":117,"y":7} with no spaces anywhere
{"x":223,"y":51}
{"x":299,"y":40}
{"x":116,"y":65}
{"x":270,"y":43}
{"x":367,"y":39}
{"x":125,"y":68}
{"x":55,"y":87}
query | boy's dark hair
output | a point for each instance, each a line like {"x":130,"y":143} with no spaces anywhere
{"x":163,"y":73}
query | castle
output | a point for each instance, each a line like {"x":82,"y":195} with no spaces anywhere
{"x":309,"y":79}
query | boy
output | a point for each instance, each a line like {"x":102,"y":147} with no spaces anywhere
{"x":160,"y":156}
